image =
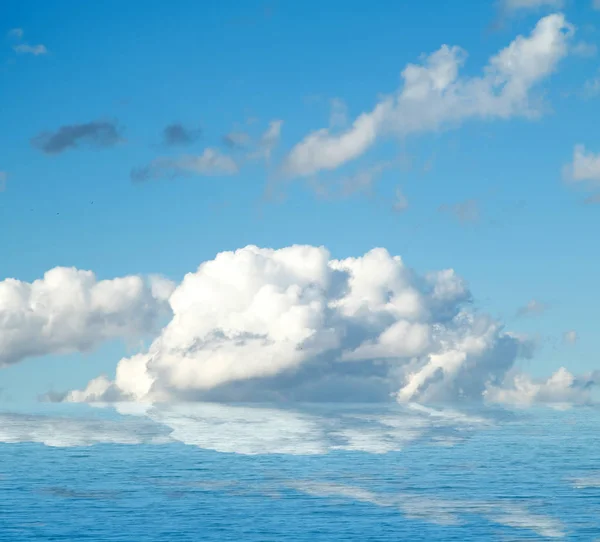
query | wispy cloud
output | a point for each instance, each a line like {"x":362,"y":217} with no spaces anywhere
{"x":35,"y":50}
{"x":533,"y":307}
{"x":434,"y":96}
{"x":210,"y":163}
{"x":15,"y":33}
{"x":466,"y":212}
{"x":95,"y":134}
{"x":570,"y":337}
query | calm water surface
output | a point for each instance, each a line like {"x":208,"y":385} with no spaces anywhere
{"x":207,"y":472}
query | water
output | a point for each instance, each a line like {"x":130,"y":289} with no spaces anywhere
{"x":207,"y":472}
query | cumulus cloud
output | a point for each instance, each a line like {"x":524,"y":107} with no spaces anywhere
{"x":98,"y":134}
{"x":210,"y":163}
{"x":585,"y":167}
{"x":294,"y":324}
{"x":562,"y":389}
{"x":70,"y":310}
{"x":178,"y":134}
{"x":434,"y":96}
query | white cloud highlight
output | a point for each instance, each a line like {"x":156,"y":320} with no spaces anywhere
{"x":263,"y":324}
{"x":433,"y":96}
{"x":70,"y":310}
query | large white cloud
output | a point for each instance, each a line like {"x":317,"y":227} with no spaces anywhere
{"x":264,"y":324}
{"x":434,"y":96}
{"x":70,"y":310}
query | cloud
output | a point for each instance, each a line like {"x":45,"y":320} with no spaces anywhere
{"x":434,"y":96}
{"x":69,"y":310}
{"x":339,"y":113}
{"x":512,"y":6}
{"x":210,"y":163}
{"x":570,"y":337}
{"x":292,"y":324}
{"x":98,"y":134}
{"x":585,"y":167}
{"x":400,"y":201}
{"x":237,"y":140}
{"x":360,"y":182}
{"x":532,"y":307}
{"x":596,"y":4}
{"x":177,"y":134}
{"x":268,"y":141}
{"x":3,"y":178}
{"x":465,"y":211}
{"x":594,"y":199}
{"x":584,"y":49}
{"x":35,"y":50}
{"x":15,"y":33}
{"x":561,"y":390}
{"x":591,"y":88}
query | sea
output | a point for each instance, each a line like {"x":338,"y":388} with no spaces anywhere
{"x":318,"y":473}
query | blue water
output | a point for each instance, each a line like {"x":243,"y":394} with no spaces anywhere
{"x":205,"y":472}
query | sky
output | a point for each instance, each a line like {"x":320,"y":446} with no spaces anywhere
{"x":138,"y":144}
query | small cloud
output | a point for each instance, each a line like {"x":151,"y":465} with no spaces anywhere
{"x":15,"y":33}
{"x":98,"y":134}
{"x":177,"y":134}
{"x":268,"y":141}
{"x":570,"y":337}
{"x":584,"y":49}
{"x":514,"y":6}
{"x":360,"y":182}
{"x":591,"y":88}
{"x":596,"y":5}
{"x":209,"y":163}
{"x":585,"y":167}
{"x":533,"y":307}
{"x":34,"y":50}
{"x":400,"y":201}
{"x":237,"y":140}
{"x":3,"y":177}
{"x":465,"y":212}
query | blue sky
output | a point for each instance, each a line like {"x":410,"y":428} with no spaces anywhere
{"x":236,"y":68}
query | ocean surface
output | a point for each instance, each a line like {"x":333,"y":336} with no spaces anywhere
{"x":209,"y":472}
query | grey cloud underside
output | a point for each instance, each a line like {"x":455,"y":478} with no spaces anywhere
{"x":177,"y":134}
{"x":96,"y":134}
